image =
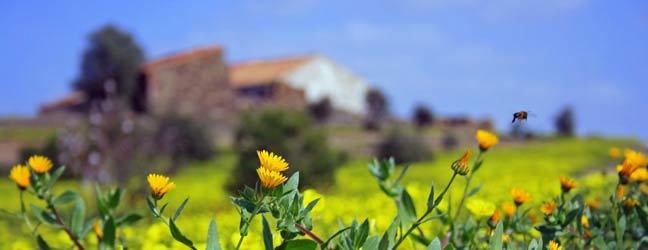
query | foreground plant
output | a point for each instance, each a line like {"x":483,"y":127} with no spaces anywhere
{"x":35,"y":179}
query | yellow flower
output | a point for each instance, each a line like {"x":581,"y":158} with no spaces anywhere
{"x":486,"y":139}
{"x":593,"y":204}
{"x":270,"y":179}
{"x":494,"y":219}
{"x":630,"y":203}
{"x":271,"y":161}
{"x":20,"y":174}
{"x":566,"y":184}
{"x":585,"y":222}
{"x":639,"y":175}
{"x":97,"y":229}
{"x":505,"y":238}
{"x":554,"y":245}
{"x":643,"y":188}
{"x":533,"y":217}
{"x":480,"y":208}
{"x":520,"y":196}
{"x":160,"y":185}
{"x":40,"y":164}
{"x":635,"y":158}
{"x":614,"y":152}
{"x":548,"y":208}
{"x":620,"y":192}
{"x":461,"y":166}
{"x":509,"y":209}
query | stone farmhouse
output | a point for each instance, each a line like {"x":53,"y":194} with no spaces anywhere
{"x":199,"y":83}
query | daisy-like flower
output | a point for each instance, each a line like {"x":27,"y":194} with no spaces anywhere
{"x":630,"y":203}
{"x":480,"y":208}
{"x":159,"y":185}
{"x":614,"y":152}
{"x":554,"y":245}
{"x":461,"y":166}
{"x":566,"y":184}
{"x":40,"y":164}
{"x":548,"y":208}
{"x":97,"y":229}
{"x":270,"y":179}
{"x":635,"y":158}
{"x":21,"y":176}
{"x":593,"y":204}
{"x":486,"y":139}
{"x":520,"y":196}
{"x":271,"y":161}
{"x":639,"y":175}
{"x":585,"y":222}
{"x":626,"y":170}
{"x":494,"y":219}
{"x":505,"y":238}
{"x":509,"y":209}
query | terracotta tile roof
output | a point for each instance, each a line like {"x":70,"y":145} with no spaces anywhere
{"x":264,"y":71}
{"x":183,"y":57}
{"x":71,"y":99}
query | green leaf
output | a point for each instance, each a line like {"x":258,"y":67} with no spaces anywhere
{"x":42,"y":245}
{"x":335,"y":235}
{"x":434,"y":245}
{"x":430,"y":200}
{"x":533,"y":245}
{"x":385,"y":242}
{"x":128,"y":219}
{"x":179,"y":211}
{"x":45,"y":217}
{"x":213,"y":241}
{"x":474,"y":191}
{"x":152,"y":207}
{"x":101,"y":202}
{"x":267,"y":234}
{"x":77,"y":217}
{"x":292,"y":183}
{"x":65,"y":197}
{"x":177,"y":235}
{"x":361,"y":236}
{"x":109,"y":233}
{"x":496,"y":240}
{"x":600,"y":243}
{"x":408,"y":203}
{"x":477,"y":165}
{"x":572,"y":215}
{"x":54,"y":177}
{"x":115,"y":198}
{"x":371,"y":243}
{"x":311,"y":205}
{"x":301,"y":244}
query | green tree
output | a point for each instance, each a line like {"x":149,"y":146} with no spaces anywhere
{"x":423,"y":116}
{"x":565,"y":122}
{"x":112,"y":56}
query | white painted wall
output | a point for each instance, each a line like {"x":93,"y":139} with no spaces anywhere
{"x":321,"y":77}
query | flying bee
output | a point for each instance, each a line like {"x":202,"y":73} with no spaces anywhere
{"x":520,"y":116}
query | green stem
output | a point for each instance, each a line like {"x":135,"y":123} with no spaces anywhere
{"x":67,"y":230}
{"x":615,"y":221}
{"x":24,"y":216}
{"x":161,"y":217}
{"x":420,"y":220}
{"x":465,"y":190}
{"x":247,"y":223}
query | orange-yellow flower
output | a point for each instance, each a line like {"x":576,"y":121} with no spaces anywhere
{"x":566,"y":184}
{"x":159,"y":185}
{"x":585,"y":222}
{"x":639,"y":175}
{"x":271,"y":161}
{"x":554,"y":245}
{"x":533,"y":217}
{"x":520,"y":196}
{"x":509,"y":209}
{"x":40,"y":164}
{"x":494,"y":219}
{"x":620,"y":192}
{"x":461,"y":166}
{"x":614,"y":152}
{"x":486,"y":139}
{"x":644,"y":189}
{"x":630,"y":203}
{"x":635,"y":158}
{"x":270,"y":179}
{"x":505,"y":238}
{"x":21,"y":176}
{"x":548,"y":208}
{"x":97,"y":229}
{"x":593,"y":204}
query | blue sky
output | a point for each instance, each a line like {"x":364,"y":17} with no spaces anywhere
{"x":485,"y":58}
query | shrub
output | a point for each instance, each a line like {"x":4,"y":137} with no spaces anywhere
{"x":184,"y":139}
{"x":565,"y":122}
{"x":377,"y":109}
{"x":404,"y":147}
{"x":423,"y":116}
{"x":321,"y":111}
{"x":290,"y":134}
